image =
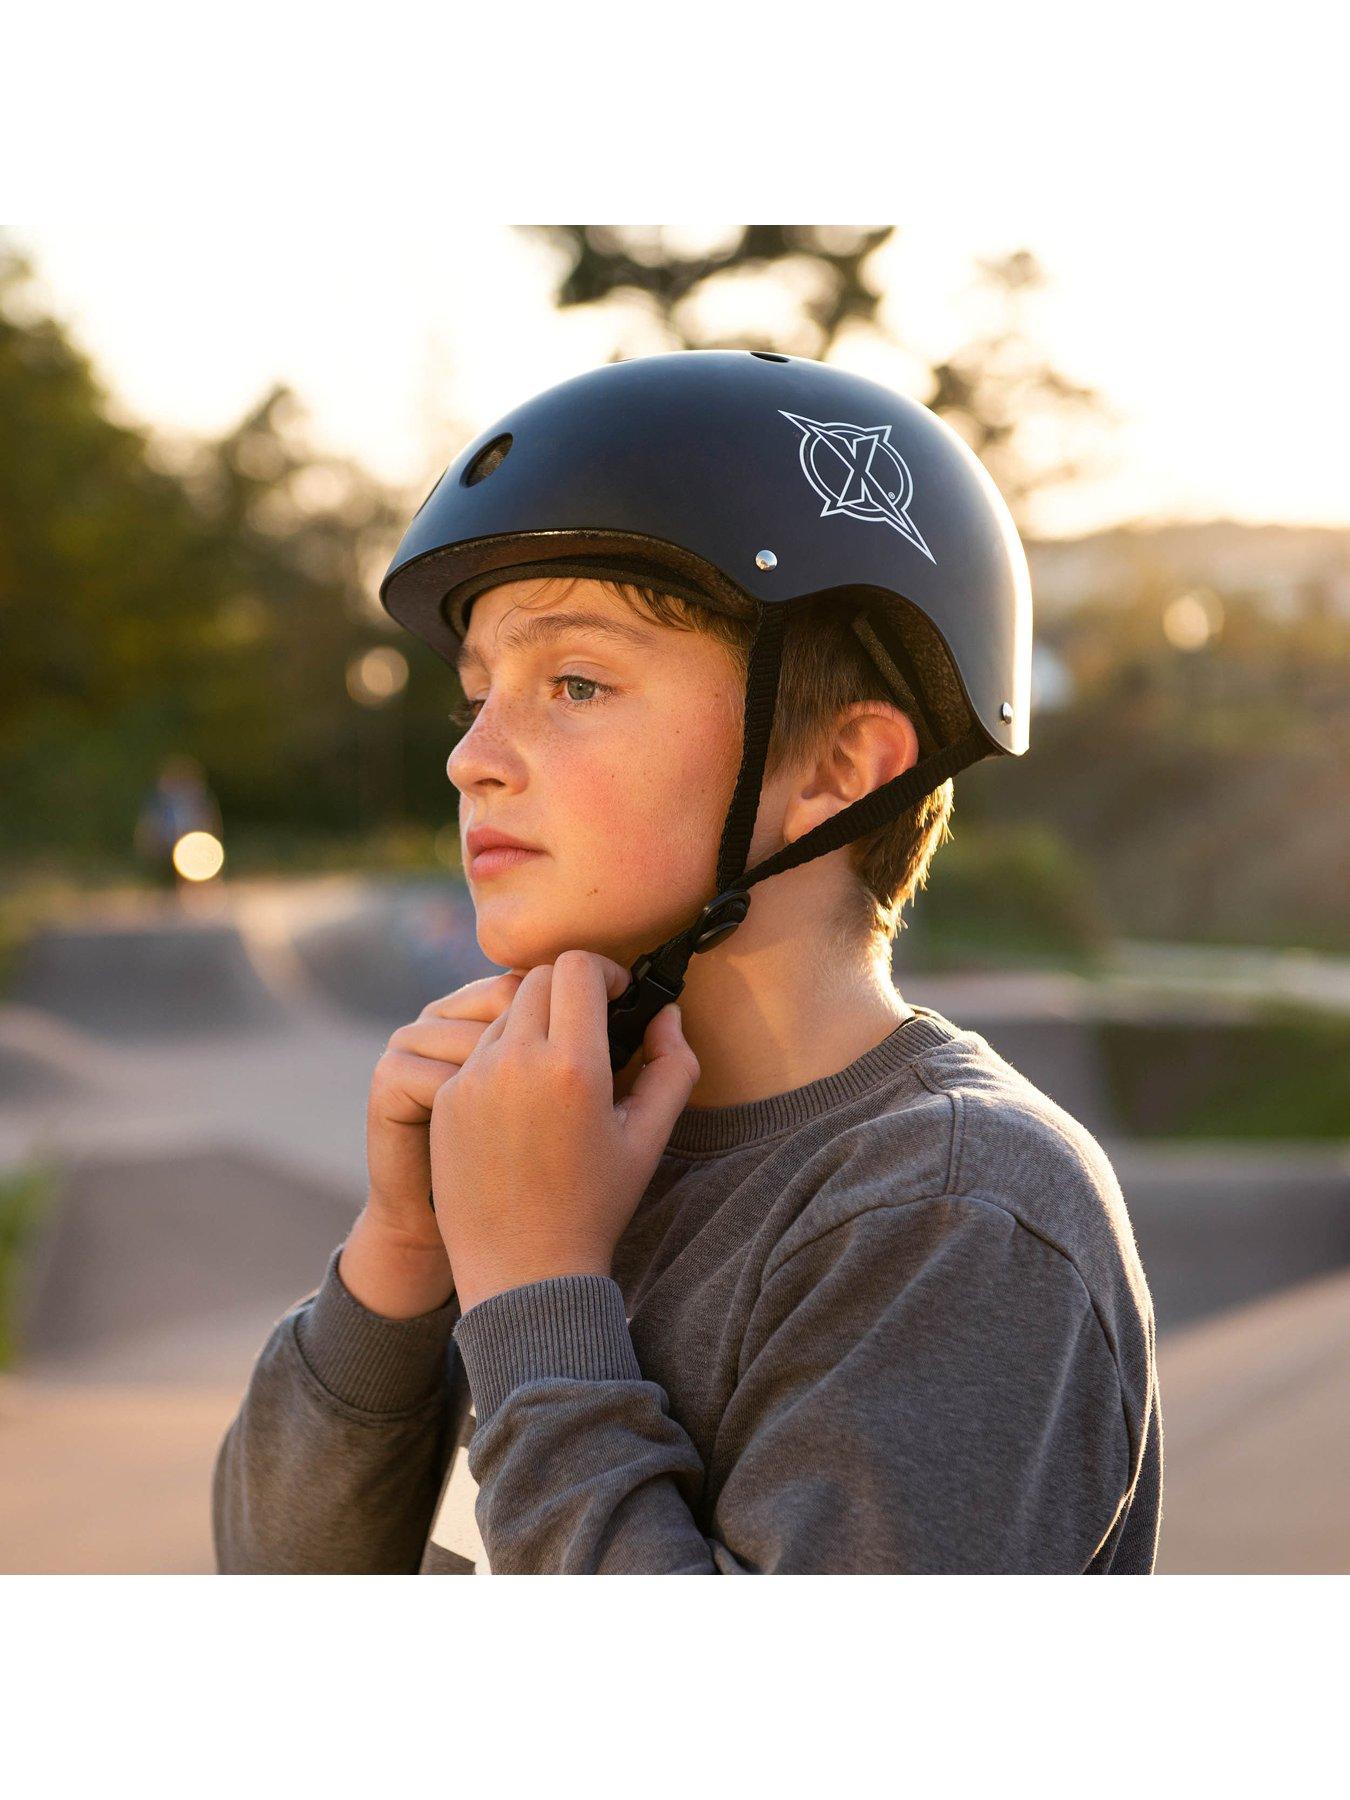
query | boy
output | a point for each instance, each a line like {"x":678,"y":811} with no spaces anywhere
{"x":817,"y":1282}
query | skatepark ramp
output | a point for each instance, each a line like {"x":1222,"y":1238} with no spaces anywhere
{"x":393,"y":949}
{"x":44,"y":1060}
{"x":1221,"y":1224}
{"x":173,"y":1267}
{"x":156,"y":978}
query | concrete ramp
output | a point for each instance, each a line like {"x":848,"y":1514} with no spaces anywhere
{"x":1220,"y":1224}
{"x":394,"y":951}
{"x":158,"y":978}
{"x":173,"y":1267}
{"x":43,"y":1060}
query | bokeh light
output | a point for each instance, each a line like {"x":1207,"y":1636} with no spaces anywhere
{"x":198,"y":856}
{"x":1192,"y":619}
{"x":377,"y":677}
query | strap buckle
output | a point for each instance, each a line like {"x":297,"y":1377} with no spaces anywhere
{"x":634,"y":1010}
{"x":719,"y":918}
{"x":647,"y":992}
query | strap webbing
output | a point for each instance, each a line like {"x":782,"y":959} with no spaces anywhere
{"x":875,"y":809}
{"x":761,"y":697}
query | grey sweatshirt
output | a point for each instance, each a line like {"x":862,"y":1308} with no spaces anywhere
{"x":893,"y":1321}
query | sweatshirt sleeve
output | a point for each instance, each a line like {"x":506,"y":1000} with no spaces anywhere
{"x":333,"y":1463}
{"x":923,"y":1387}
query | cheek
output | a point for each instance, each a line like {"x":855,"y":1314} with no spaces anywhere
{"x":646,"y":811}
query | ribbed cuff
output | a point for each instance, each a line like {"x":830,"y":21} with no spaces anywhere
{"x":367,"y":1361}
{"x":570,"y":1328}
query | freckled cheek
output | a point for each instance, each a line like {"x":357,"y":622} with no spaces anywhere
{"x":646,"y":810}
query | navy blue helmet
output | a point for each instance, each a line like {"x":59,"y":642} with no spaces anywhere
{"x":747,"y":481}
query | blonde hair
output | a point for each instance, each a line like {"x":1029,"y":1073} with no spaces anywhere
{"x":825,"y":671}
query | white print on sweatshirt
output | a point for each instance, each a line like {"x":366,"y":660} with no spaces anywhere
{"x":456,"y":1527}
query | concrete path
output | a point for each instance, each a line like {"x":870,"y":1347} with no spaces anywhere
{"x":108,"y":1478}
{"x":1256,"y":1438}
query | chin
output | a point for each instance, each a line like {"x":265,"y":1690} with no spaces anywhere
{"x":525,"y":943}
{"x":522,"y":942}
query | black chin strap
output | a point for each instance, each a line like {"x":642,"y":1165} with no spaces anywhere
{"x":658,"y":976}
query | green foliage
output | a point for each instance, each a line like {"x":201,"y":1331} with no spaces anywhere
{"x":391,"y":849}
{"x":1206,"y":791}
{"x":27,"y":1196}
{"x":85,"y":530}
{"x":1000,"y":895}
{"x":1283,"y":1076}
{"x":210,"y":608}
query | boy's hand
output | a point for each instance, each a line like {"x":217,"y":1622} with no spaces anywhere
{"x":417,"y":1060}
{"x":539,"y":1154}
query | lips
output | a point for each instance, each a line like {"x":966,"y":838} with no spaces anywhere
{"x":484,"y":837}
{"x":491,"y":852}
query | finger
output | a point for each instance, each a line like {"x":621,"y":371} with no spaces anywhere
{"x":449,"y":1039}
{"x":527,"y":1020}
{"x":483,"y":999}
{"x":408,"y":1086}
{"x":661,"y":1091}
{"x":488,"y":1036}
{"x":578,"y":1019}
{"x":618,"y":978}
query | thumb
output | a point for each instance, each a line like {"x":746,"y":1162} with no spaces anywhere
{"x":665,"y":1081}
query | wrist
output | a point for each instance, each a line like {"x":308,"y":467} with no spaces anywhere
{"x":479,"y":1280}
{"x":392,"y":1272}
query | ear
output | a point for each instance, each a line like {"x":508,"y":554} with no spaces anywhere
{"x":872,"y":743}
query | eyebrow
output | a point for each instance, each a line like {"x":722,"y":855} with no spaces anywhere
{"x":544,"y":627}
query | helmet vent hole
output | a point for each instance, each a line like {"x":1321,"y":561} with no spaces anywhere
{"x":769,"y":356}
{"x":490,"y":457}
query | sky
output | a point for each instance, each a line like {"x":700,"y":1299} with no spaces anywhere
{"x":1229,"y":378}
{"x":321,"y":209}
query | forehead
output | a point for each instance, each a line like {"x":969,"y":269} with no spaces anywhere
{"x":520,"y":614}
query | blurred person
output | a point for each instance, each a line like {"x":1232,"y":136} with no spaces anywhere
{"x":180,"y":801}
{"x":735,"y":1262}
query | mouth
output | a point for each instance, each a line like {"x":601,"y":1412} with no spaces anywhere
{"x":499,"y":861}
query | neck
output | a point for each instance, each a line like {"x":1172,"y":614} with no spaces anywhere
{"x":764,"y":1016}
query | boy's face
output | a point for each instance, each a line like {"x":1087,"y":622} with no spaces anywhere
{"x":620,"y":774}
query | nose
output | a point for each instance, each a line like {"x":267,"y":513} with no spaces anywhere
{"x":483,"y":755}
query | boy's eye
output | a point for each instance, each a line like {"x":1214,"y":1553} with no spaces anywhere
{"x":466,"y":713}
{"x":568,"y":682}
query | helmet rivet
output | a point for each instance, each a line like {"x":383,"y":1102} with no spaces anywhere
{"x":766,"y":560}
{"x":1005,"y":712}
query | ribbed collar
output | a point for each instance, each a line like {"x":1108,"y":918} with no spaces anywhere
{"x":703,"y":1129}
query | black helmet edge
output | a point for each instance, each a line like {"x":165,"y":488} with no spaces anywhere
{"x":417,"y":597}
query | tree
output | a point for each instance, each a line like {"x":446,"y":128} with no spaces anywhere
{"x":999,"y":391}
{"x":796,"y":288}
{"x":205,"y":600}
{"x":104,"y":577}
{"x":821,"y":265}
